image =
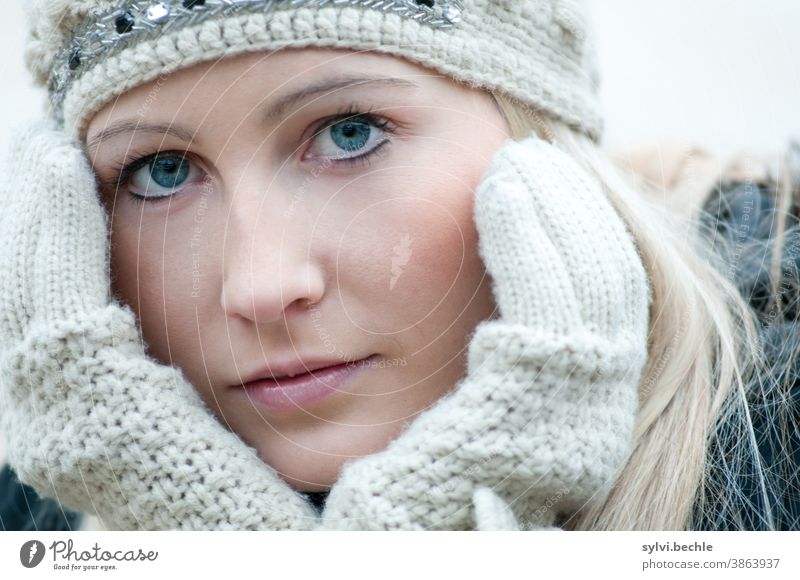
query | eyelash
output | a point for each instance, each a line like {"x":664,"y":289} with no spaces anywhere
{"x":135,"y":160}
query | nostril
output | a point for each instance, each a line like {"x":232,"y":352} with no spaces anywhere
{"x":262,"y":303}
{"x":307,"y":303}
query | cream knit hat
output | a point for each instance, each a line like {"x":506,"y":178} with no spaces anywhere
{"x":540,"y":52}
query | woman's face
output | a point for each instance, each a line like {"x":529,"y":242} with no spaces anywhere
{"x":302,"y":209}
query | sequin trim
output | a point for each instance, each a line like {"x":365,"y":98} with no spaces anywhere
{"x":128,"y":22}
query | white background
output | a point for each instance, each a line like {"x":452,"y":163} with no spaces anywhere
{"x":721,"y":73}
{"x":339,"y":555}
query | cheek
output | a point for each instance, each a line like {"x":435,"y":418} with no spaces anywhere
{"x":407,"y":243}
{"x":153,"y":272}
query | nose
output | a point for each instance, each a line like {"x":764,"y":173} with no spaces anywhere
{"x":269,"y":269}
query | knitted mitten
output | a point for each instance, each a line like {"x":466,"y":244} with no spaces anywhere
{"x":88,"y":417}
{"x":544,"y":417}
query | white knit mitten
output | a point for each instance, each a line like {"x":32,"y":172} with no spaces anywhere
{"x":88,"y":417}
{"x":545,"y":414}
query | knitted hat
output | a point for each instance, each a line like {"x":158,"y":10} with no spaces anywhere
{"x":539,"y":52}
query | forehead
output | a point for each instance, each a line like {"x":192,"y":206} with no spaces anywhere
{"x":261,"y":76}
{"x":274,"y":70}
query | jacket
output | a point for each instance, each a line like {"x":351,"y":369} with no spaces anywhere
{"x":764,"y":491}
{"x":760,"y":489}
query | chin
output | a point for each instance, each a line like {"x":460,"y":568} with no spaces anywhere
{"x":318,"y":476}
{"x":313,"y":463}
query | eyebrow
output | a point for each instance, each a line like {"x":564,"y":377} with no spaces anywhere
{"x":138,"y":126}
{"x":274,"y":112}
{"x":278,"y":109}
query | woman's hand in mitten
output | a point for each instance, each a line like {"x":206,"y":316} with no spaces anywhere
{"x":90,"y":419}
{"x":545,"y":414}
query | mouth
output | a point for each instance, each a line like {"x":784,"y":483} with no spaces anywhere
{"x":301,"y":390}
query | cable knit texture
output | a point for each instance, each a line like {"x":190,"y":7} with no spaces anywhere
{"x":539,"y":425}
{"x":540,"y":52}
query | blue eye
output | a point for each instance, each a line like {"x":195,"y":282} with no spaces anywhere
{"x":161,"y":175}
{"x":350,"y":136}
{"x":168,"y":171}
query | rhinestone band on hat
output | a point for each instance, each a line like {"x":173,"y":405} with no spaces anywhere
{"x":128,"y":22}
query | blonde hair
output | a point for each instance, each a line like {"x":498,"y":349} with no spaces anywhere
{"x":703,"y":351}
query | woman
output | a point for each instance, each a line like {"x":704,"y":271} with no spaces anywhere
{"x":575,"y":386}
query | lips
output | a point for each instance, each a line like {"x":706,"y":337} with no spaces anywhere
{"x":291,"y":368}
{"x":288,"y":392}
